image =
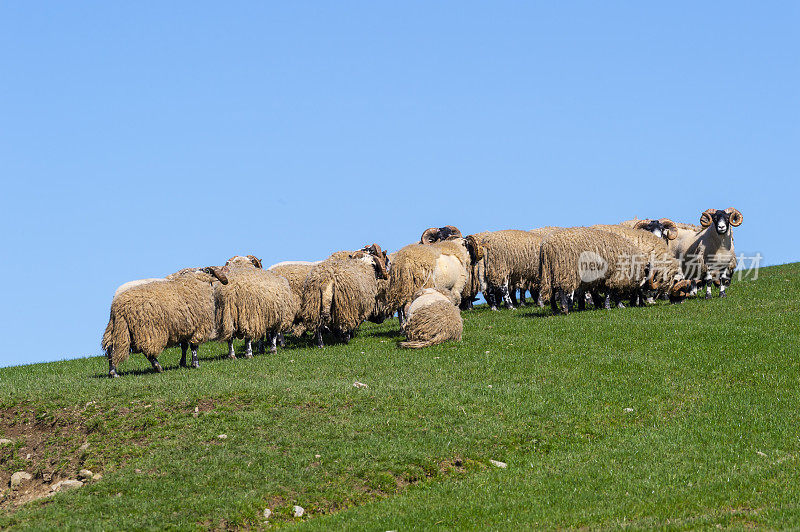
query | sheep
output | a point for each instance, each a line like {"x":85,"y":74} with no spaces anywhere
{"x":708,"y":254}
{"x":655,"y":250}
{"x":340,"y":294}
{"x":446,"y":264}
{"x":151,"y":317}
{"x":255,"y":303}
{"x":588,"y":259}
{"x":431,"y":318}
{"x":511,"y":262}
{"x":662,"y":228}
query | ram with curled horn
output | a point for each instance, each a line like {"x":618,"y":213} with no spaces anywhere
{"x":707,"y":255}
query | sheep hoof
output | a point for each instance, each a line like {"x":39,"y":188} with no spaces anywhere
{"x":722,"y":294}
{"x":157,"y":367}
{"x":112,"y":374}
{"x":708,"y":295}
{"x":195,"y":365}
{"x":232,"y":356}
{"x":182,"y":363}
{"x":273,"y":350}
{"x":248,"y":355}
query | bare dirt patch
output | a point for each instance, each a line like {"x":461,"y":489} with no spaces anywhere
{"x":50,"y":447}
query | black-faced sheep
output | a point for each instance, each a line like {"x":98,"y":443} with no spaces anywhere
{"x":340,"y":294}
{"x":708,"y":254}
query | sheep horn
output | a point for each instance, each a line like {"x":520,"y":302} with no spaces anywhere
{"x":453,"y":231}
{"x":430,"y":236}
{"x":706,"y":217}
{"x":680,"y":289}
{"x":671,"y":228}
{"x":736,"y":216}
{"x":256,"y":262}
{"x":641,"y":224}
{"x":217,"y":272}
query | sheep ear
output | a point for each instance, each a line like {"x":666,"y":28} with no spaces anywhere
{"x":429,"y":236}
{"x":706,"y":217}
{"x":736,"y":216}
{"x":256,"y":262}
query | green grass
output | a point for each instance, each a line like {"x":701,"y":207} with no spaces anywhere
{"x":713,"y":437}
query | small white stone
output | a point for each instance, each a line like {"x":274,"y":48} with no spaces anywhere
{"x":84,"y":446}
{"x":299,"y":511}
{"x":85,"y":474}
{"x":629,"y":410}
{"x":5,"y":441}
{"x":67,"y":485}
{"x":317,"y":456}
{"x":267,"y":513}
{"x":97,"y":476}
{"x":360,"y":385}
{"x":28,"y":456}
{"x":759,"y":453}
{"x":487,"y":352}
{"x":496,"y":463}
{"x":490,"y":386}
{"x":18,"y":478}
{"x":223,"y":436}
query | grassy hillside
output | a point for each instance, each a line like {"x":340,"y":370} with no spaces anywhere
{"x":676,"y":416}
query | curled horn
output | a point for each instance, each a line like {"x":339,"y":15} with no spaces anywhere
{"x":706,"y":217}
{"x":736,"y":216}
{"x":641,"y":224}
{"x":217,"y":272}
{"x":380,"y":267}
{"x":671,"y":227}
{"x":454,"y":231}
{"x":680,"y":289}
{"x":256,"y":262}
{"x":474,"y":247}
{"x":430,"y":236}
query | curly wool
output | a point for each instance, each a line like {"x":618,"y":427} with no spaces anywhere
{"x":512,"y":257}
{"x":295,"y":274}
{"x":339,"y":294}
{"x":254,"y":303}
{"x":419,"y":266}
{"x":559,"y":261}
{"x":434,"y":321}
{"x":151,"y":317}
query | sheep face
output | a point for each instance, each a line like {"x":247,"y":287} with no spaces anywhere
{"x":721,"y":220}
{"x":663,"y":228}
{"x":377,"y":257}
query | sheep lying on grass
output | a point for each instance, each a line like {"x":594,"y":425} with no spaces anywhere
{"x":431,"y":318}
{"x":254,"y":304}
{"x":340,"y":294}
{"x":151,"y":317}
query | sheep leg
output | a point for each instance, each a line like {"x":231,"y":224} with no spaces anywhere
{"x":273,"y":340}
{"x":553,"y":303}
{"x":512,"y":293}
{"x":248,"y":347}
{"x":565,"y":302}
{"x":538,"y":298}
{"x":400,"y":317}
{"x":195,"y":361}
{"x":231,"y":352}
{"x":506,"y":295}
{"x":581,"y":296}
{"x":281,"y":340}
{"x":112,"y":369}
{"x":636,"y":300}
{"x":607,"y":303}
{"x":522,"y":300}
{"x":491,"y":298}
{"x":156,"y":365}
{"x":319,"y":338}
{"x":261,"y":345}
{"x":184,"y":347}
{"x":724,"y":281}
{"x":709,"y":284}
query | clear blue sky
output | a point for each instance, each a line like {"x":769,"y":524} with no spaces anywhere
{"x":137,"y":139}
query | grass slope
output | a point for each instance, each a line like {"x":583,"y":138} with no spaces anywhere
{"x":677,"y":416}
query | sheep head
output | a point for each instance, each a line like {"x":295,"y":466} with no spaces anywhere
{"x":476,"y":251}
{"x":680,"y":290}
{"x":721,"y":220}
{"x":670,"y":228}
{"x":437,"y":234}
{"x":256,"y":261}
{"x":663,"y":228}
{"x":379,"y":259}
{"x":216,"y":272}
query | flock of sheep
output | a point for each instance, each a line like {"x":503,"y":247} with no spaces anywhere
{"x":427,"y":284}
